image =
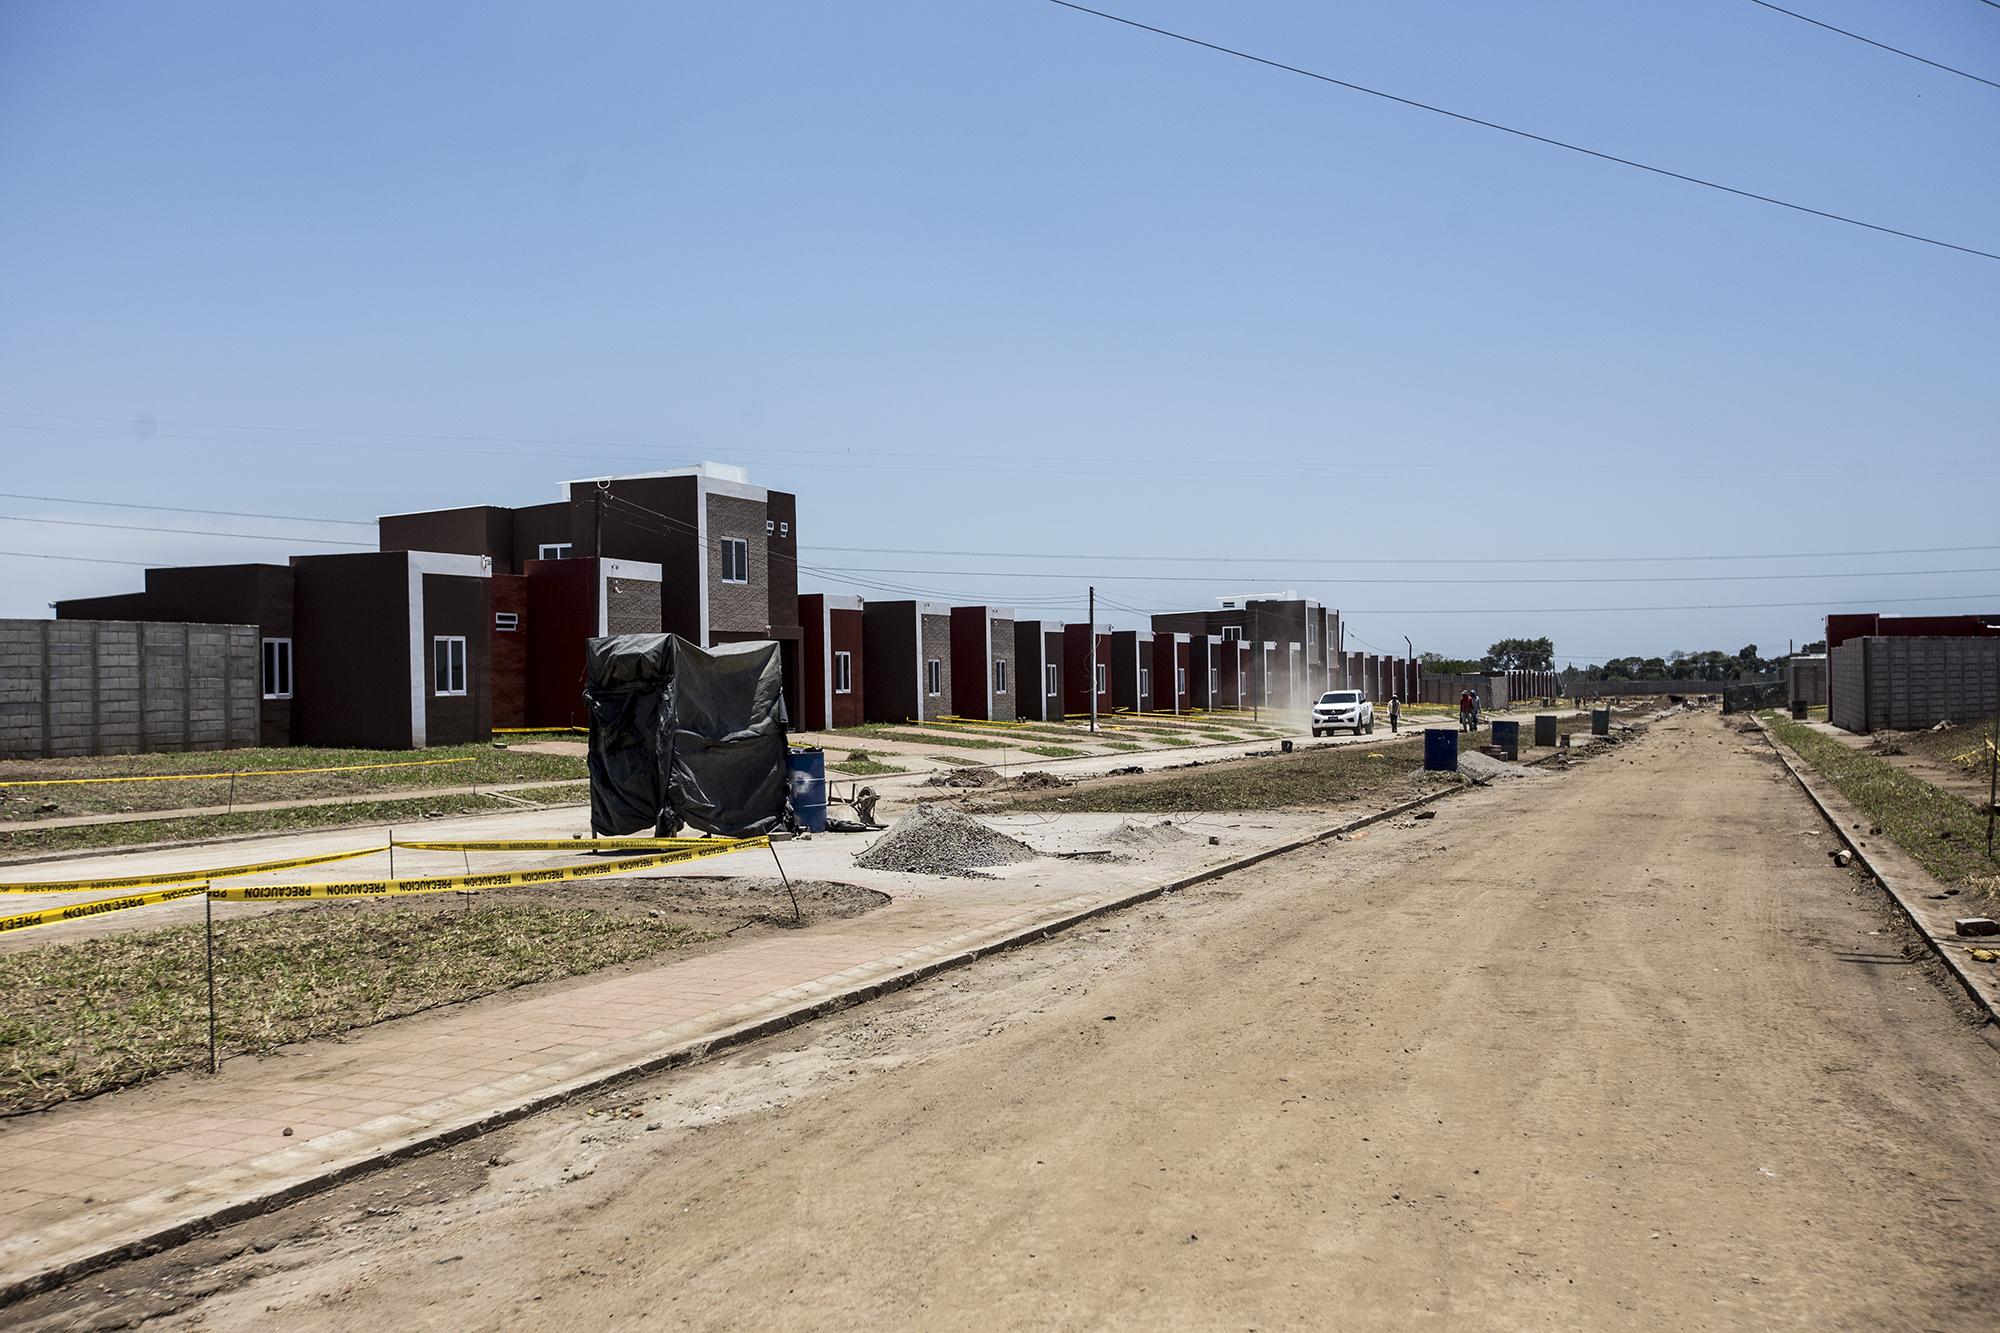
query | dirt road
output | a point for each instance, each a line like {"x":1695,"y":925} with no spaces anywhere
{"x":1612,"y":1049}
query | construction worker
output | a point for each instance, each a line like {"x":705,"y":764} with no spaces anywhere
{"x":1395,"y":712}
{"x":1468,"y":711}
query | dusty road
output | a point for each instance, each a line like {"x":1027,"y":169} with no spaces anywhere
{"x":1614,"y":1049}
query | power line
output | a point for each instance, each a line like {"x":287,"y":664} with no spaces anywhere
{"x":1507,"y":582}
{"x":1692,"y":606}
{"x":1151,"y":468}
{"x":188,"y":532}
{"x":1401,"y":560}
{"x":82,"y":559}
{"x":1526,"y":134}
{"x":1880,"y":46}
{"x":182,"y":509}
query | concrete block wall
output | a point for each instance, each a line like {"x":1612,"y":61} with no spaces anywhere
{"x":86,"y":687}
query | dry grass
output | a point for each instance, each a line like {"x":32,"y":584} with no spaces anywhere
{"x":1327,"y":776}
{"x":411,"y":811}
{"x":84,"y":1017}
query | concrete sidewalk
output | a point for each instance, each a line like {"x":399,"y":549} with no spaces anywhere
{"x":139,"y":1167}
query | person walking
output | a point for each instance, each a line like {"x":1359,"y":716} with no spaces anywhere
{"x":1395,"y":712}
{"x":1467,"y":706}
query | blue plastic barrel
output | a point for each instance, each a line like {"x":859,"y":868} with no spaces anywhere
{"x":807,"y":773}
{"x":1440,"y":750}
{"x":1507,"y":737}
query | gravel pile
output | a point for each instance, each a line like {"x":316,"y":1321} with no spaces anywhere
{"x":931,"y":840}
{"x":1162,"y":834}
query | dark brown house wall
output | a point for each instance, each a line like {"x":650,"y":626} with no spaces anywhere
{"x":969,"y":658}
{"x":889,"y":635}
{"x":510,"y":651}
{"x":536,"y":526}
{"x":846,"y":627}
{"x":351,"y":664}
{"x":661,"y":527}
{"x":783,"y":568}
{"x":814,"y":635}
{"x":1077,"y":686}
{"x":562,"y":608}
{"x":458,"y":605}
{"x":486,"y":530}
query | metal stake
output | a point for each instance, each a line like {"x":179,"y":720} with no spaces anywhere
{"x":797,"y":918}
{"x":208,"y":916}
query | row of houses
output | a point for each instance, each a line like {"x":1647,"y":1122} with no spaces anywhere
{"x":472,"y":619}
{"x":899,"y":661}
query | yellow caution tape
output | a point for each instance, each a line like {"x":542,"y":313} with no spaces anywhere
{"x":383,"y":888}
{"x":564,"y":844}
{"x":50,"y":916}
{"x":164,"y":877}
{"x":239,"y":773}
{"x":531,"y":731}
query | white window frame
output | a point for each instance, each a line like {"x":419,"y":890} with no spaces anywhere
{"x":448,"y":652}
{"x":1053,"y":681}
{"x":1145,"y":682}
{"x":271,"y":680}
{"x":1180,"y":681}
{"x":554,"y":550}
{"x":506,"y":622}
{"x":1000,"y":677}
{"x":934,"y":678}
{"x":1103,"y":687}
{"x":770,"y":526}
{"x":1214,"y":683}
{"x":1232,"y":633}
{"x":742,"y":559}
{"x":785,"y":529}
{"x":843,"y":673}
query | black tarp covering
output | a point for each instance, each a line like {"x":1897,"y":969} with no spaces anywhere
{"x":683,"y":736}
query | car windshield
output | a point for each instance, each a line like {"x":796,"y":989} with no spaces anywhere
{"x":1341,"y":697}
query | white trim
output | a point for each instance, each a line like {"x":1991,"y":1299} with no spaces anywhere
{"x":843,"y":658}
{"x":722,"y":544}
{"x":701,"y":555}
{"x":416,"y":564}
{"x":463,"y":664}
{"x":264,"y":655}
{"x":986,"y":617}
{"x":917,"y":633}
{"x":826,"y":656}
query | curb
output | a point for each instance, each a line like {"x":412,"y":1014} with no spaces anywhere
{"x":674,"y":1057}
{"x":1967,"y":979}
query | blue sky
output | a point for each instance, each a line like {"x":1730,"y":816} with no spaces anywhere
{"x":1000,"y":278}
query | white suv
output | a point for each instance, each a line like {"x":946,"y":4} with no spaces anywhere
{"x":1343,"y":708}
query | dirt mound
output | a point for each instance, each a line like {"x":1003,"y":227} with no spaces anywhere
{"x":931,"y":840}
{"x":1039,"y":781}
{"x":1164,"y":833}
{"x":962,"y":777}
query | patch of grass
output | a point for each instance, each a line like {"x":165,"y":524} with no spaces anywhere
{"x":85,"y":1017}
{"x":195,"y":828}
{"x":1119,"y":745}
{"x":862,"y":764}
{"x":1306,"y":777}
{"x":562,"y":793}
{"x":476,"y":766}
{"x":1052,"y":751}
{"x":1945,"y":834}
{"x":1964,"y":746}
{"x":943,"y":738}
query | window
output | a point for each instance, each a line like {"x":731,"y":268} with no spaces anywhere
{"x":1312,"y":631}
{"x":1101,"y":686}
{"x":843,"y":673}
{"x":934,"y":678}
{"x":999,"y":677}
{"x":448,"y":664}
{"x":1231,"y":633}
{"x":1229,"y":604}
{"x":1049,"y":671}
{"x":277,"y":668}
{"x":1214,"y":684}
{"x":553,"y":551}
{"x":770,"y":526}
{"x":1180,"y":680}
{"x":506,"y":622}
{"x":1145,"y":683}
{"x":785,"y":529}
{"x":735,"y":560}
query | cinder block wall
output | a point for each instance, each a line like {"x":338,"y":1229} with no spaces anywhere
{"x":85,"y":687}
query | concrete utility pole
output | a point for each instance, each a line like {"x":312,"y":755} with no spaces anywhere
{"x":1260,"y":674}
{"x":1091,"y":627}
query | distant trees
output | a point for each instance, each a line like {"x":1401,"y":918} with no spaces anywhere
{"x":1437,"y":664}
{"x":1520,"y":655}
{"x":1711,"y":665}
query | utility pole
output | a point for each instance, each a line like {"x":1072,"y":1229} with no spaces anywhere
{"x":1091,"y":628}
{"x":1259,"y":669}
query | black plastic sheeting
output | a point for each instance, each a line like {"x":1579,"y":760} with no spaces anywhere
{"x":685,"y":737}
